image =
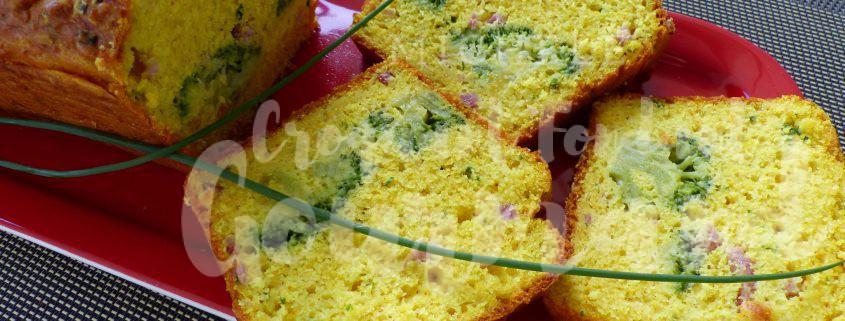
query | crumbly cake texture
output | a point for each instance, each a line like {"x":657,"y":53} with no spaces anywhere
{"x":709,"y":186}
{"x":401,"y":158}
{"x":150,"y":70}
{"x":518,"y":63}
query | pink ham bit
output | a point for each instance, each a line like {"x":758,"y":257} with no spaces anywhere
{"x":745,"y":293}
{"x":416,"y":255}
{"x":791,"y":288}
{"x":242,"y":32}
{"x":708,"y":239}
{"x":741,"y":264}
{"x":507,"y":211}
{"x":497,"y":19}
{"x":623,"y":35}
{"x":240,"y":273}
{"x":230,"y":245}
{"x":588,"y":219}
{"x":470,"y":100}
{"x":385,"y":77}
{"x":473,"y":22}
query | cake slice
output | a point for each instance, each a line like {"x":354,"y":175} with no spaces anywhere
{"x":518,"y":63}
{"x":150,"y":70}
{"x":707,"y":186}
{"x":388,"y":152}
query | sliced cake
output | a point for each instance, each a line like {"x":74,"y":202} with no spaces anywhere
{"x":388,"y":152}
{"x":518,"y":63}
{"x":152,"y":70}
{"x":707,"y":186}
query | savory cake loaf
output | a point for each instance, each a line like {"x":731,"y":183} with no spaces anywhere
{"x":707,"y":186}
{"x":388,"y":152}
{"x":150,"y":70}
{"x":518,"y":63}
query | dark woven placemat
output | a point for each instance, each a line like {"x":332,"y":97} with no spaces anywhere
{"x":805,"y":36}
{"x":39,"y":284}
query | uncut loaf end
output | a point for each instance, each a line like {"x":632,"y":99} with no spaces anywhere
{"x":150,"y":70}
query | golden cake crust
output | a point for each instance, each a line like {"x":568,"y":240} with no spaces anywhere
{"x":754,"y":310}
{"x":586,"y":92}
{"x":497,"y":313}
{"x":83,"y":87}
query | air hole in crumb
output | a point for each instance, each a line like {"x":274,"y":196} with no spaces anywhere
{"x":465,"y":213}
{"x":408,"y":291}
{"x":435,"y":275}
{"x":355,"y":285}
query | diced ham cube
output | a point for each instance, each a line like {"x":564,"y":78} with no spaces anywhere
{"x":708,"y":239}
{"x":470,"y":100}
{"x":623,"y":35}
{"x":385,"y":77}
{"x":473,"y":22}
{"x":791,"y":288}
{"x":497,"y":19}
{"x":240,"y":273}
{"x":742,"y":265}
{"x":507,"y":211}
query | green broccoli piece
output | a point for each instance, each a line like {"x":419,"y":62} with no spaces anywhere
{"x":379,"y":120}
{"x":239,"y":13}
{"x":435,"y":4}
{"x":280,"y":6}
{"x":790,"y":129}
{"x":339,"y":176}
{"x":486,"y":45}
{"x":686,"y":260}
{"x":673,"y":174}
{"x":422,"y":115}
{"x":230,"y":62}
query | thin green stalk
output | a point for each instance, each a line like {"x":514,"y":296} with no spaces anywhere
{"x":323,"y":215}
{"x":232,"y":115}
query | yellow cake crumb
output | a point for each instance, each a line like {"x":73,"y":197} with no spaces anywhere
{"x":742,"y":186}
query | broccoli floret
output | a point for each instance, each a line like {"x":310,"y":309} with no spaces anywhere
{"x":695,"y":182}
{"x":423,"y":115}
{"x":483,"y":49}
{"x":686,"y":260}
{"x":643,"y":172}
{"x":790,"y":129}
{"x":554,"y":83}
{"x":200,"y":86}
{"x":379,"y":120}
{"x":280,"y":6}
{"x":240,"y":12}
{"x":482,"y":69}
{"x":231,"y":58}
{"x":339,"y":176}
{"x":182,"y":99}
{"x":673,"y":174}
{"x":287,"y":227}
{"x":436,"y":4}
